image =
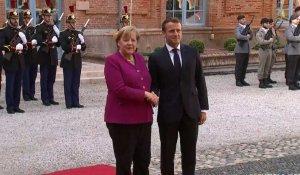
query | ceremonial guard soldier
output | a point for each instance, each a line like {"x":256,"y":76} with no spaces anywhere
{"x":243,"y":34}
{"x":125,"y":21}
{"x":30,"y":57}
{"x":72,"y":42}
{"x":13,"y":41}
{"x":292,"y":34}
{"x":1,"y":60}
{"x":265,"y":52}
{"x":47,"y":35}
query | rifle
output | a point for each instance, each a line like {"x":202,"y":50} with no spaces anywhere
{"x":246,"y":31}
{"x":51,"y":35}
{"x":14,"y":41}
{"x":69,"y":55}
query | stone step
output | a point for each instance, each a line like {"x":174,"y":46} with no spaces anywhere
{"x":90,"y":73}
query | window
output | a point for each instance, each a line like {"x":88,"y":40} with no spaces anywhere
{"x":285,"y":8}
{"x":191,"y":12}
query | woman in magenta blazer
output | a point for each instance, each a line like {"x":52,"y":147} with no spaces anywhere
{"x":128,"y":110}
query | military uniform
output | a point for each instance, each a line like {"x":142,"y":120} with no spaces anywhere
{"x":265,"y":55}
{"x":1,"y":60}
{"x":47,"y":58}
{"x":13,"y":63}
{"x":71,"y":62}
{"x":293,"y":53}
{"x":30,"y":59}
{"x":242,"y":51}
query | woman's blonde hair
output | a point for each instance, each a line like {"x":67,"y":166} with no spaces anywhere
{"x":126,"y":32}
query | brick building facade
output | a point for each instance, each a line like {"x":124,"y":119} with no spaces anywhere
{"x":217,"y":18}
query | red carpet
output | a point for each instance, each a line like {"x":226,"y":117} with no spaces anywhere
{"x":91,"y":170}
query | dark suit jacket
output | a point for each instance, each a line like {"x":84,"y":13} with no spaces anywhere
{"x":178,"y":95}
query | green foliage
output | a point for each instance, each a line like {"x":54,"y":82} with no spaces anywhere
{"x":230,"y":43}
{"x":256,"y":46}
{"x":157,"y":48}
{"x":199,"y":45}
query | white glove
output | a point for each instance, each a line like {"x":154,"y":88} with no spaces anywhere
{"x":23,"y":37}
{"x":78,"y":47}
{"x":33,"y":42}
{"x":56,"y":30}
{"x":19,"y":46}
{"x":81,"y":38}
{"x":54,"y":39}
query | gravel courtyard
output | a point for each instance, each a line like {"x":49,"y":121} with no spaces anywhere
{"x":244,"y":124}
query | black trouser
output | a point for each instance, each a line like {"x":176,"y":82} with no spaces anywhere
{"x":188,"y":131}
{"x":286,"y":65}
{"x":293,"y":68}
{"x":131,"y":143}
{"x":241,"y":65}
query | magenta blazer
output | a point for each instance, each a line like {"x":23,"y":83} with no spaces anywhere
{"x":126,"y":84}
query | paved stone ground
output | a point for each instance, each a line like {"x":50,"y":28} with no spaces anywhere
{"x":249,"y":131}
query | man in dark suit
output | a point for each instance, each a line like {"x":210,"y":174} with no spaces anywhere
{"x":178,"y":79}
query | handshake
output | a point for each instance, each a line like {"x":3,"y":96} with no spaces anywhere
{"x":152,"y":98}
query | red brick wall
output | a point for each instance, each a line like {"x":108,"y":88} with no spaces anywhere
{"x":223,"y":13}
{"x":103,"y":14}
{"x":2,"y":12}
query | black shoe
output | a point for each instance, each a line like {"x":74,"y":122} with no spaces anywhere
{"x":18,"y":110}
{"x":1,"y":107}
{"x":270,"y":81}
{"x":53,"y":102}
{"x":46,"y":103}
{"x":69,"y":107}
{"x":266,"y":82}
{"x":239,"y":84}
{"x":245,"y":83}
{"x":26,"y":98}
{"x":292,"y":87}
{"x":78,"y":106}
{"x":10,"y":111}
{"x":262,"y":84}
{"x":33,"y":99}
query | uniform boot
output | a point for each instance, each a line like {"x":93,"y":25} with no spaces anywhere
{"x":262,"y":84}
{"x":270,"y":80}
{"x":267,"y":85}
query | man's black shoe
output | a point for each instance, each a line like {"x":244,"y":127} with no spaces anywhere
{"x":239,"y":84}
{"x":33,"y":99}
{"x":10,"y":111}
{"x":46,"y":103}
{"x":69,"y":107}
{"x":1,"y":107}
{"x":26,"y":98}
{"x":245,"y":83}
{"x":78,"y":106}
{"x":292,"y":87}
{"x":53,"y":102}
{"x":271,"y":81}
{"x":18,"y":110}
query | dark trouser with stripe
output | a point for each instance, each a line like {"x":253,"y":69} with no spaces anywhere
{"x":293,"y":68}
{"x":241,"y":65}
{"x":48,"y":74}
{"x":131,"y":143}
{"x":71,"y":86}
{"x":188,"y":131}
{"x":13,"y":89}
{"x":29,"y":77}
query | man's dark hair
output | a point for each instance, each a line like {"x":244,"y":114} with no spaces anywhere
{"x":173,"y":20}
{"x":271,"y":20}
{"x":297,"y":9}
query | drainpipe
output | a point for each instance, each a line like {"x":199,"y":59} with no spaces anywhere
{"x":119,"y":13}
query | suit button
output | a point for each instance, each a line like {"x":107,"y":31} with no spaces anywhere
{"x":142,"y":78}
{"x":137,"y":70}
{"x":144,"y":87}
